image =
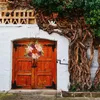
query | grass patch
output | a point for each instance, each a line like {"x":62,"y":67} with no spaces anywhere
{"x":7,"y":96}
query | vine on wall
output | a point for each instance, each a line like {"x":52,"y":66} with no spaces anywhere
{"x":80,"y":38}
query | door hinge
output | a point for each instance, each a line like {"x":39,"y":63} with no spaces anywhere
{"x":53,"y":86}
{"x":18,"y":45}
{"x":51,"y":45}
{"x":14,"y":85}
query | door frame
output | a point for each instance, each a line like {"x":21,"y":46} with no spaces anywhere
{"x":27,"y":39}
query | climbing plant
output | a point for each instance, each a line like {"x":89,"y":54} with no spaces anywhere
{"x":90,"y":9}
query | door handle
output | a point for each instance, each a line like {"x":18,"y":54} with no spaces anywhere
{"x":34,"y":66}
{"x":34,"y":63}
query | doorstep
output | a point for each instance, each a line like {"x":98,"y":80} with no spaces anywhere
{"x":41,"y":92}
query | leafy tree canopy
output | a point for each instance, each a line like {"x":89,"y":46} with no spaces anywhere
{"x":90,"y":9}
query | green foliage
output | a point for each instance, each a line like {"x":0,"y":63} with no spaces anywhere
{"x":90,"y":9}
{"x":50,"y":5}
{"x":95,"y":89}
{"x":75,"y":87}
{"x":97,"y":31}
{"x":91,"y":12}
{"x":92,"y":15}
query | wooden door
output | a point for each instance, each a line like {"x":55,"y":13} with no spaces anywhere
{"x":25,"y":75}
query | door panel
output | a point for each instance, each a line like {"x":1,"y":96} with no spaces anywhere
{"x":23,"y":81}
{"x":24,"y":73}
{"x":41,"y":76}
{"x":43,"y":73}
{"x":22,"y":70}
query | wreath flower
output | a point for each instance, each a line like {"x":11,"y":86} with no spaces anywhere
{"x":34,"y":50}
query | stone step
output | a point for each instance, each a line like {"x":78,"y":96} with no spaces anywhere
{"x":77,"y":98}
{"x":81,"y":94}
{"x":39,"y":92}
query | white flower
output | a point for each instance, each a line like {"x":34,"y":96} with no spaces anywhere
{"x":29,"y":49}
{"x":35,"y":56}
{"x":38,"y":47}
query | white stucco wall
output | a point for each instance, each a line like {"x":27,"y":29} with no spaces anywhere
{"x":95,"y":64}
{"x":8,"y":33}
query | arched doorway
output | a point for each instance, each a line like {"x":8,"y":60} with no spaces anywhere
{"x":25,"y":75}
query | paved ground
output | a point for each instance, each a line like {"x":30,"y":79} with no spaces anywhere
{"x":37,"y":97}
{"x":30,"y":97}
{"x":24,"y":97}
{"x":47,"y":95}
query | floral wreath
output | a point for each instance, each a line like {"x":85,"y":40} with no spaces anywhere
{"x":34,"y":50}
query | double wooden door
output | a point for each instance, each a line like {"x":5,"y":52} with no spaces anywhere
{"x":24,"y":75}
